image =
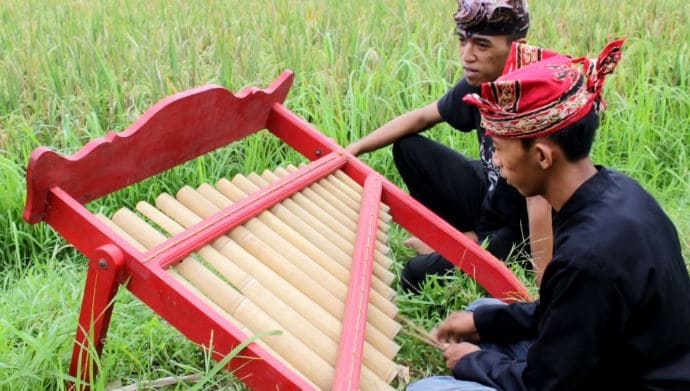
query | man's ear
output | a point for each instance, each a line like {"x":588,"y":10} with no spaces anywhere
{"x":544,"y":154}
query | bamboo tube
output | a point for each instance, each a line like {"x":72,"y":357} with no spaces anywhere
{"x":308,"y":363}
{"x":279,"y":309}
{"x":354,"y":195}
{"x":280,"y":236}
{"x":332,"y":195}
{"x":274,"y":260}
{"x":323,"y":194}
{"x":351,"y":196}
{"x":345,"y":245}
{"x":198,"y":204}
{"x":307,"y":226}
{"x":345,"y":215}
{"x":342,"y":235}
{"x":323,"y":277}
{"x":275,"y":264}
{"x":197,"y":293}
{"x":352,"y":184}
{"x":343,"y":229}
{"x":346,"y":191}
{"x":332,"y":204}
{"x":235,"y":254}
{"x":331,"y":216}
{"x":335,"y":197}
{"x":135,"y":243}
{"x":235,"y":322}
{"x":336,"y":231}
{"x":349,"y":192}
{"x":344,"y":194}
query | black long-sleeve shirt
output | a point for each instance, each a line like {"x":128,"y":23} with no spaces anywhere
{"x":503,"y":205}
{"x":614,"y":308}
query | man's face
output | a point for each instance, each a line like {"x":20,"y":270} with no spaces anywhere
{"x":519,"y":166}
{"x":483,"y":56}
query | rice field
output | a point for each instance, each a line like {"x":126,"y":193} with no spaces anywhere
{"x":72,"y":70}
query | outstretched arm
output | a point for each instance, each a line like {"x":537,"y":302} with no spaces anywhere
{"x":409,"y":123}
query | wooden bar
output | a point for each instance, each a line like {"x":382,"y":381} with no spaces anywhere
{"x":179,"y":246}
{"x":347,"y":376}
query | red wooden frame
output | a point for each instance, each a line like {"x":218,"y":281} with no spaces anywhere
{"x":182,"y":127}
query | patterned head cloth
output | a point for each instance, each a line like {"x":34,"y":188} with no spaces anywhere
{"x":492,"y":17}
{"x":542,"y":91}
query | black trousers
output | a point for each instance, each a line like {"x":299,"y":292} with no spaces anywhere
{"x":453,"y":187}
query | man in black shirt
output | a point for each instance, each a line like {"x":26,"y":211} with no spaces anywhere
{"x":469,"y":194}
{"x":614,"y":307}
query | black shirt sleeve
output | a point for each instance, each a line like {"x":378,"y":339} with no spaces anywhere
{"x":455,"y":111}
{"x":573,"y":334}
{"x":506,"y":323}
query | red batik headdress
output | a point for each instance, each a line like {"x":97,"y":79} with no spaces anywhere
{"x":542,"y":91}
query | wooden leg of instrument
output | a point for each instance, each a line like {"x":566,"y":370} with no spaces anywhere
{"x":102,"y":283}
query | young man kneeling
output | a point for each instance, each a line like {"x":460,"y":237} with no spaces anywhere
{"x":614,"y":307}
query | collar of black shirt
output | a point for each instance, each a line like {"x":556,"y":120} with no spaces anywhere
{"x":586,"y":194}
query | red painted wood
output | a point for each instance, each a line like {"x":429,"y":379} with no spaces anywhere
{"x":465,"y":253}
{"x":102,"y":281}
{"x":481,"y":265}
{"x":81,"y":228}
{"x":179,"y":128}
{"x":300,"y":135}
{"x":349,"y":363}
{"x":163,"y":295}
{"x":176,"y":129}
{"x":197,"y":236}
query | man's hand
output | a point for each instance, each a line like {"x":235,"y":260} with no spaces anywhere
{"x":454,"y":352}
{"x":458,"y":327}
{"x":353,"y":149}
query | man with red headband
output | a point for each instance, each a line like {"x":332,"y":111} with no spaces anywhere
{"x":614,"y":307}
{"x":469,"y":194}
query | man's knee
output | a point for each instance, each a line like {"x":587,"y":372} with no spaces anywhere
{"x":404,"y":149}
{"x":482,"y":302}
{"x":418,"y":268}
{"x":405,"y":144}
{"x":446,"y":383}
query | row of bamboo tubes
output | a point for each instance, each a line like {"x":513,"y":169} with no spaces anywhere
{"x":286,"y":269}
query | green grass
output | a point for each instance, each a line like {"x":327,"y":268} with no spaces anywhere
{"x":70,"y":71}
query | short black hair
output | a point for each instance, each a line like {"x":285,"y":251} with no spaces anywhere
{"x":575,"y":139}
{"x":516,"y":36}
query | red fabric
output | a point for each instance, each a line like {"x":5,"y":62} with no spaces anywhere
{"x":522,"y":54}
{"x":542,"y":91}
